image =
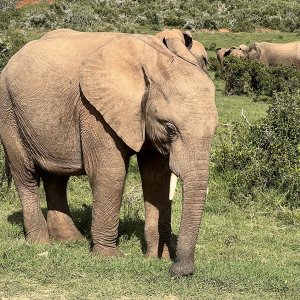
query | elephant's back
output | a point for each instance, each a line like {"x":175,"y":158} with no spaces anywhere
{"x":283,"y":53}
{"x":42,"y":80}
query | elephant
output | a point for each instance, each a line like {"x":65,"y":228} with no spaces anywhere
{"x":195,"y":47}
{"x":201,"y":55}
{"x":274,"y":53}
{"x":82,"y":103}
{"x":232,"y":51}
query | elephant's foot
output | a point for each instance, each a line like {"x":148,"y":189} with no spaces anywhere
{"x":39,"y":235}
{"x":61,"y":227}
{"x":182,"y":268}
{"x":101,"y":250}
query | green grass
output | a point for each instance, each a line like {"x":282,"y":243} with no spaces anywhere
{"x":242,"y":253}
{"x":228,"y":39}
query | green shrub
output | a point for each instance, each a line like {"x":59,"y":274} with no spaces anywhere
{"x":10,"y":43}
{"x":7,"y":4}
{"x":91,"y":15}
{"x":265,"y":156}
{"x":214,"y":65}
{"x":243,"y":76}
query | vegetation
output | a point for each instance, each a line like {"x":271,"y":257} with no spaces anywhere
{"x":243,"y":76}
{"x":264,"y":156}
{"x":125,"y":15}
{"x":249,"y":242}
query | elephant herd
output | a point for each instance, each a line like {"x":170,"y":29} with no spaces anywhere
{"x":82,"y":103}
{"x":264,"y":52}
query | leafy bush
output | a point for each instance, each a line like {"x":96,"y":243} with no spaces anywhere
{"x":265,"y":156}
{"x":252,"y":78}
{"x":10,"y":43}
{"x":7,"y":4}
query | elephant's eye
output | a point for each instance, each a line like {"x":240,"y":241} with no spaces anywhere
{"x":171,"y":130}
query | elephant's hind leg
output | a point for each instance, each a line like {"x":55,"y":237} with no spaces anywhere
{"x":35,"y":225}
{"x":27,"y":184}
{"x":155,"y":175}
{"x":59,"y":220}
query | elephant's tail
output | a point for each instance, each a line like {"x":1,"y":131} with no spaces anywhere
{"x":6,"y":174}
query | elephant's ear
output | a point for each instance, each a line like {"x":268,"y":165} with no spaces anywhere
{"x":227,"y":52}
{"x":178,"y":48}
{"x":188,"y":40}
{"x":243,"y":47}
{"x":113,"y":81}
{"x":258,"y":49}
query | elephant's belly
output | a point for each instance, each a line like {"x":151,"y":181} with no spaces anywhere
{"x":69,"y":164}
{"x":56,"y":149}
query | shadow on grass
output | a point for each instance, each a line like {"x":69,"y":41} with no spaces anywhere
{"x":129,"y":227}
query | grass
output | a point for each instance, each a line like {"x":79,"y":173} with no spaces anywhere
{"x":242,"y":253}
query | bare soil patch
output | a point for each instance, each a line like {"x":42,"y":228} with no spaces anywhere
{"x":22,"y":3}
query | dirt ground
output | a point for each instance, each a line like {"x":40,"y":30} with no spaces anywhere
{"x":22,"y":3}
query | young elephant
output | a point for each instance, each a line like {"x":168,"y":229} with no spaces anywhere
{"x":76,"y":103}
{"x":195,"y":47}
{"x":232,"y":51}
{"x":275,"y":53}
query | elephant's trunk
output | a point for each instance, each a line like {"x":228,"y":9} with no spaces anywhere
{"x":195,"y":180}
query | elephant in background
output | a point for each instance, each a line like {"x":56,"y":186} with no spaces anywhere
{"x":274,"y":53}
{"x":75,"y":103}
{"x":195,"y":47}
{"x":201,"y":55}
{"x":232,"y":51}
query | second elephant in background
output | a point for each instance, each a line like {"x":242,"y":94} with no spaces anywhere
{"x":232,"y":51}
{"x":274,"y":53}
{"x":169,"y":36}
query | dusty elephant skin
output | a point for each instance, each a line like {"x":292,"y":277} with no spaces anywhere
{"x":275,"y":53}
{"x":77,"y":103}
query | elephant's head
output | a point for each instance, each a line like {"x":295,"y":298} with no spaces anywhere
{"x":253,"y":52}
{"x":184,"y":36}
{"x":221,"y":54}
{"x":239,"y":51}
{"x":236,"y":51}
{"x":145,"y":92}
{"x":169,"y":36}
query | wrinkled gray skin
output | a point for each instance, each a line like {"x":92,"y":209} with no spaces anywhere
{"x":275,"y":53}
{"x":232,"y":51}
{"x":195,"y":47}
{"x":77,"y":103}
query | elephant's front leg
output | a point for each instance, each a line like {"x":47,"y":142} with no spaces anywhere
{"x":107,"y":186}
{"x":155,"y":175}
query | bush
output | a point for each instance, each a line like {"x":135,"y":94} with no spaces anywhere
{"x":90,"y":15}
{"x":265,"y":156}
{"x":243,"y":76}
{"x":7,"y":4}
{"x":10,"y":43}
